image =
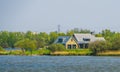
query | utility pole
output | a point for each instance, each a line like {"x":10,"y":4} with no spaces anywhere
{"x":58,"y":28}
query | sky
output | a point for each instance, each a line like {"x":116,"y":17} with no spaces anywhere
{"x":46,"y":15}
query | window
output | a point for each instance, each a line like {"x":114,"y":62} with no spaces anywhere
{"x":69,"y":46}
{"x":86,"y":39}
{"x":60,"y":40}
{"x":81,"y":45}
{"x":74,"y":46}
{"x":86,"y":45}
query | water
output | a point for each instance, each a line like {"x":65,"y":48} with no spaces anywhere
{"x":59,"y":64}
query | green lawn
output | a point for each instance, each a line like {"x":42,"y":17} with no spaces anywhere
{"x":83,"y":52}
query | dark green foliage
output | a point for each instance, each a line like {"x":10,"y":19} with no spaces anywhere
{"x":1,"y":49}
{"x":99,"y":46}
{"x":116,"y":43}
{"x":26,"y":45}
{"x":56,"y":47}
{"x":53,"y":37}
{"x":42,"y":39}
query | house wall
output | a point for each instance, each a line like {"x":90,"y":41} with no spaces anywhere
{"x":71,"y":41}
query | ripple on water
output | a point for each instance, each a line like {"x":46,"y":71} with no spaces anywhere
{"x":59,"y":64}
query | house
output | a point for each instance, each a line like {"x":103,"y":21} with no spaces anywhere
{"x":83,"y":40}
{"x":77,"y":40}
{"x":68,"y":41}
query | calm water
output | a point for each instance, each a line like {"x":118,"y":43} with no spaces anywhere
{"x":59,"y":64}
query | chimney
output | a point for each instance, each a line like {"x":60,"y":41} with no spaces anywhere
{"x":92,"y":33}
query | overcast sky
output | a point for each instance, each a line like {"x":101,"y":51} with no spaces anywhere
{"x":45,"y":15}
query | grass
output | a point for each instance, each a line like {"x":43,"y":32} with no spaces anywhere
{"x":68,"y":52}
{"x":76,"y":52}
{"x":44,"y":51}
{"x":39,"y":52}
{"x":4,"y":53}
{"x":109,"y":53}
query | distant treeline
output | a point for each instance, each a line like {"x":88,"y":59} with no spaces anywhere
{"x":8,"y":39}
{"x":43,"y":39}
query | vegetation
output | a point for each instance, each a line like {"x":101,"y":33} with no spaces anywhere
{"x":99,"y":46}
{"x":1,"y":49}
{"x":26,"y":45}
{"x":56,"y":47}
{"x":32,"y":43}
{"x":76,"y":52}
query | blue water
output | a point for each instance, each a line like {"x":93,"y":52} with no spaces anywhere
{"x":59,"y":64}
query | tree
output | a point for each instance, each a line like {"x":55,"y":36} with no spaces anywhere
{"x":13,"y":38}
{"x":4,"y":39}
{"x":1,"y":48}
{"x":107,"y":34}
{"x":26,"y":45}
{"x":116,"y":43}
{"x":56,"y":47}
{"x":99,"y":46}
{"x":85,"y":31}
{"x":53,"y":37}
{"x":70,"y":33}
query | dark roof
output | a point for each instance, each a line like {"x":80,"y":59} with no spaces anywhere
{"x":64,"y":39}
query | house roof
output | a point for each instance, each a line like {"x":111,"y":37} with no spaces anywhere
{"x":80,"y":38}
{"x":64,"y":38}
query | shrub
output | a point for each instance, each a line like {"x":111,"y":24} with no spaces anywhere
{"x":1,"y":48}
{"x":56,"y":47}
{"x":116,"y":44}
{"x":99,"y":46}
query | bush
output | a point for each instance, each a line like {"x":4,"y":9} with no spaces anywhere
{"x":116,"y":44}
{"x":56,"y":47}
{"x":99,"y":46}
{"x":1,"y":48}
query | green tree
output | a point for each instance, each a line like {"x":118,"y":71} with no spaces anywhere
{"x":26,"y":45}
{"x":107,"y":34}
{"x":99,"y":46}
{"x":13,"y":38}
{"x":70,"y":33}
{"x":29,"y":35}
{"x":53,"y":36}
{"x":116,"y":43}
{"x":42,"y":39}
{"x":4,"y":39}
{"x":85,"y":31}
{"x":1,"y":48}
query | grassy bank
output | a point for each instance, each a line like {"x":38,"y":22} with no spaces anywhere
{"x":76,"y":52}
{"x":19,"y":52}
{"x":48,"y":52}
{"x":109,"y":53}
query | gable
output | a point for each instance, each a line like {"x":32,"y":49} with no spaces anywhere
{"x":71,"y":41}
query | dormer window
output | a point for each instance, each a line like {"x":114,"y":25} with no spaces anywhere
{"x":86,"y":39}
{"x":60,"y":40}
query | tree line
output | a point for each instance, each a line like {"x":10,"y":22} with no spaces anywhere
{"x":8,"y":39}
{"x":33,"y":40}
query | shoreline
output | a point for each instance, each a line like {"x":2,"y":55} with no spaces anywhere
{"x":61,"y":53}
